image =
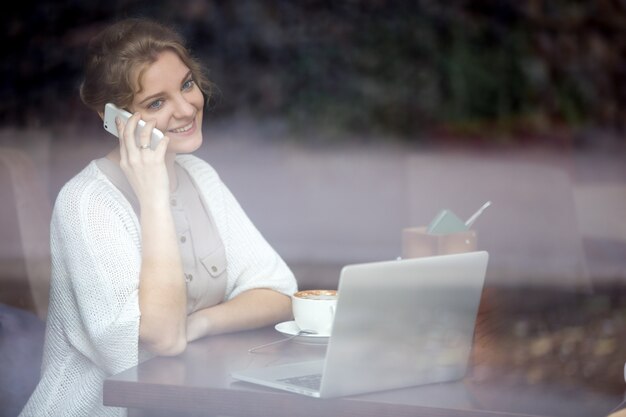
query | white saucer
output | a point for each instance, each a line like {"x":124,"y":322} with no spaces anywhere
{"x":291,"y":328}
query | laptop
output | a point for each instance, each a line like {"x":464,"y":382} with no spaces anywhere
{"x":397,"y":324}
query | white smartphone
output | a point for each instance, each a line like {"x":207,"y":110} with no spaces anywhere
{"x":111,"y":111}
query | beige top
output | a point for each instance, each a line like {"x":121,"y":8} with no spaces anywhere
{"x":201,"y":248}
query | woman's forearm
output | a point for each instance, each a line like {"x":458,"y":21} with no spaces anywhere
{"x":251,"y":309}
{"x":162,"y":289}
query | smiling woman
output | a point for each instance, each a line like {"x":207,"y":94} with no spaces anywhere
{"x":150,"y":250}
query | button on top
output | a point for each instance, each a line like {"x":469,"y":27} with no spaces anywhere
{"x":173,"y":202}
{"x":183,"y":239}
{"x":188,"y":277}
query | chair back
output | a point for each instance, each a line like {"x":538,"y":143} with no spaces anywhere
{"x":25,"y":211}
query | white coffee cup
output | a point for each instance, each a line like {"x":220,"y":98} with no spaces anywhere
{"x":314,"y":310}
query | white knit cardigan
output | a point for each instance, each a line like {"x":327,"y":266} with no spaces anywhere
{"x":92,"y":329}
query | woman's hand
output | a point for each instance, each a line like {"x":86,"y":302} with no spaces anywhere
{"x":145,"y":168}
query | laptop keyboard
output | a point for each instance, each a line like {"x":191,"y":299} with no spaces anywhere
{"x":308,"y":381}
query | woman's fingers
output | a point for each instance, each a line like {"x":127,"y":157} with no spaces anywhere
{"x":129,"y":136}
{"x":120,"y":134}
{"x":161,"y":147}
{"x":134,"y":144}
{"x":145,"y":135}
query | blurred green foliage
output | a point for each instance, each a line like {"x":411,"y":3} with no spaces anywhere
{"x":465,"y":67}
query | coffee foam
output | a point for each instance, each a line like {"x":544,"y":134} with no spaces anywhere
{"x":317,"y":294}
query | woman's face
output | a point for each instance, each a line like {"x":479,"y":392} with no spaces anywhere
{"x":170,"y":96}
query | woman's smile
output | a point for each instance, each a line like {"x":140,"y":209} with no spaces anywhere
{"x":184,"y":129}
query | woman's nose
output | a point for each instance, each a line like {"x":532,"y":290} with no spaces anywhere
{"x":183,"y":108}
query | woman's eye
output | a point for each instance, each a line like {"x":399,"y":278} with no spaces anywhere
{"x":155,"y":104}
{"x":188,"y":84}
